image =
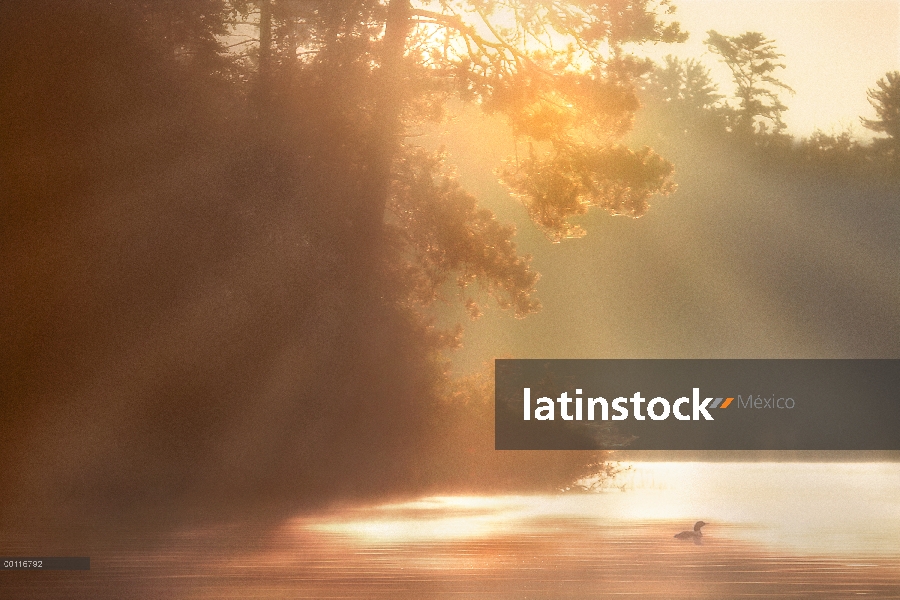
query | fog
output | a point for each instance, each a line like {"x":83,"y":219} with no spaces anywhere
{"x":742,"y":261}
{"x":232,"y":274}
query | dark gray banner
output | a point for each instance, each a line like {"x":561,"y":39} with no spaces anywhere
{"x":709,"y":404}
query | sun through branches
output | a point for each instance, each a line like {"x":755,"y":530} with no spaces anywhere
{"x":563,"y":76}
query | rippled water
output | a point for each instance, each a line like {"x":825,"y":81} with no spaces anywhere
{"x":785,"y":531}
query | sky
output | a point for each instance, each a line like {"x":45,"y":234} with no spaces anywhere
{"x":834,"y":51}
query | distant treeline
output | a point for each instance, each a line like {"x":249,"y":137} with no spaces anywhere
{"x":681,"y":101}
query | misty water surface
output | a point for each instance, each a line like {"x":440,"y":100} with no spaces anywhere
{"x":775,"y":530}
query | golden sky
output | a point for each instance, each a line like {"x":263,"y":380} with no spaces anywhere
{"x":834,"y":51}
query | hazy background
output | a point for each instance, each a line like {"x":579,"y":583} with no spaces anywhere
{"x":739,"y":262}
{"x":833,"y":49}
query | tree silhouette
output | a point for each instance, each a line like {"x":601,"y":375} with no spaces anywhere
{"x":680,"y":97}
{"x":686,"y":84}
{"x":559,"y":72}
{"x":238,"y":308}
{"x":885,"y":98}
{"x":752,"y":60}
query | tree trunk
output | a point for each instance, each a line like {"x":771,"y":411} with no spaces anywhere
{"x":265,"y":51}
{"x":384,"y":139}
{"x":355,"y":367}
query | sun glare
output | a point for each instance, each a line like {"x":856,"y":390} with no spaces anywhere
{"x":439,"y":517}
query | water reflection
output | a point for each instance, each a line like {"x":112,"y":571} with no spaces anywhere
{"x":786,"y":531}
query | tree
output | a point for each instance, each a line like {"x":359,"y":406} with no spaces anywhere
{"x":686,"y":84}
{"x":885,"y":99}
{"x":752,"y":60}
{"x":265,"y":240}
{"x":559,"y":71}
{"x":679,"y":97}
{"x":563,"y":79}
{"x":834,"y":153}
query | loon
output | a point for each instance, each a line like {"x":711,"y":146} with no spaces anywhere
{"x":696,"y":534}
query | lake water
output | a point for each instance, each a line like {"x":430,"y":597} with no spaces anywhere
{"x":775,"y":530}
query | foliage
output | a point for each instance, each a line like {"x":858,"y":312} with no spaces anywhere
{"x":559,"y":71}
{"x":885,"y":99}
{"x":685,"y":85}
{"x":564,"y":80}
{"x":237,"y":247}
{"x":752,"y":60}
{"x":833,"y":153}
{"x":442,"y":233}
{"x":678,"y":99}
{"x":578,"y":176}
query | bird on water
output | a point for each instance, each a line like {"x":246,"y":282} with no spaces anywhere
{"x":696,"y":534}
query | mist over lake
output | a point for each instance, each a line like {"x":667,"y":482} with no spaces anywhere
{"x":788,"y":530}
